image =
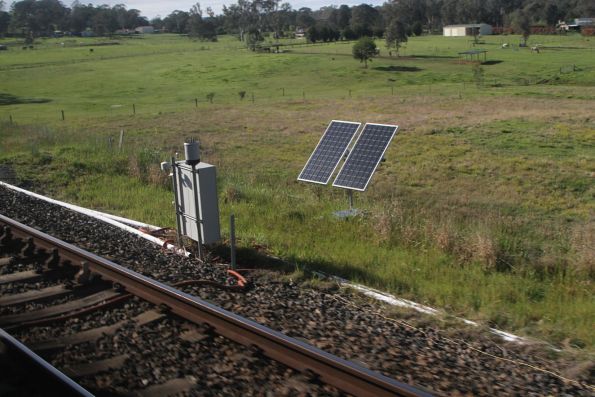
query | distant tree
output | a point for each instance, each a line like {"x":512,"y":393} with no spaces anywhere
{"x":37,"y":18}
{"x":253,"y":38}
{"x":348,"y":34}
{"x":364,"y":50}
{"x":80,"y":16}
{"x":344,"y":17}
{"x":521,"y":24}
{"x":199,"y":27}
{"x":312,"y":34}
{"x":304,"y":18}
{"x":552,"y":14}
{"x":363,"y":20}
{"x":4,"y":20}
{"x":104,"y":21}
{"x":417,"y":28}
{"x":396,"y":35}
{"x":176,"y":22}
{"x":585,"y":8}
{"x":157,"y":23}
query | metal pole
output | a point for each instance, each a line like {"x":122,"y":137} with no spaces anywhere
{"x":174,"y":178}
{"x":232,"y":240}
{"x":350,"y":195}
{"x":197,"y":209}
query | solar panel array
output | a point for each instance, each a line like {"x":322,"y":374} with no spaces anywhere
{"x":329,"y":151}
{"x":365,"y":156}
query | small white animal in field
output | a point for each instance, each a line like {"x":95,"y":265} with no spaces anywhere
{"x":505,"y":45}
{"x":535,"y":49}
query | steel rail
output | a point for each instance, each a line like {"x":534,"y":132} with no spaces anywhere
{"x":63,"y":385}
{"x":345,"y":375}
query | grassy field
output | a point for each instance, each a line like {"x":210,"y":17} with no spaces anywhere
{"x":484,"y":207}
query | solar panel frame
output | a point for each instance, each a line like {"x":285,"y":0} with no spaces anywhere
{"x":339,"y":157}
{"x":353,"y":150}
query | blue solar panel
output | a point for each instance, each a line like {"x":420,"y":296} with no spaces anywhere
{"x":329,"y":151}
{"x":365,"y":156}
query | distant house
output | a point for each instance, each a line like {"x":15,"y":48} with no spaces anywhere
{"x":124,"y":32}
{"x":577,"y":24}
{"x":144,"y":29}
{"x":300,"y":33}
{"x":467,"y":30}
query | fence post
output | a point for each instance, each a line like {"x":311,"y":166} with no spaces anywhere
{"x":10,"y":118}
{"x":304,"y":95}
{"x":232,"y":240}
{"x":62,"y":115}
{"x":121,"y":140}
{"x":195,"y":102}
{"x":133,"y":109}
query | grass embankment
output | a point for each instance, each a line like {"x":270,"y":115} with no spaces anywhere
{"x":484,"y":206}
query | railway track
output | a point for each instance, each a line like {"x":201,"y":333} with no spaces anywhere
{"x":84,"y":283}
{"x":144,"y":355}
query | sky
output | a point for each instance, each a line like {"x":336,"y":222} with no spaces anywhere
{"x":153,"y":8}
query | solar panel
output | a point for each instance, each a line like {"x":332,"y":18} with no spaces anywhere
{"x":327,"y":154}
{"x":365,"y":156}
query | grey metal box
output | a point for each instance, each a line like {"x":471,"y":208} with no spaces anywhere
{"x":207,"y":201}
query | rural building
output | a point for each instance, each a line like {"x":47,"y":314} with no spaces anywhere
{"x":577,"y":24}
{"x":467,"y":30}
{"x":145,"y":29}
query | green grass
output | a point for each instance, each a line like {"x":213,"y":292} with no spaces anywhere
{"x":484,"y":206}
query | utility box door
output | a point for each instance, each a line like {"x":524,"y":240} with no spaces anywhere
{"x":207,"y":201}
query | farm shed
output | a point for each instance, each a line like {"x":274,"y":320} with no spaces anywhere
{"x":467,"y":30}
{"x":145,"y":29}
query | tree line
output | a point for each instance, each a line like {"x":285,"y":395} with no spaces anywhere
{"x":252,"y":20}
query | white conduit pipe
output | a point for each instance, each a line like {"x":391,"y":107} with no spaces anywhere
{"x":396,"y":301}
{"x":378,"y":295}
{"x":107,"y":218}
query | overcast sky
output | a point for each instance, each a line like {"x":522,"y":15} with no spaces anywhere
{"x":152,"y":8}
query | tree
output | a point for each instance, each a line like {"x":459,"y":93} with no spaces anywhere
{"x":521,"y":24}
{"x":312,"y":34}
{"x":80,"y":17}
{"x":363,"y":20}
{"x":104,"y":22}
{"x":199,"y":27}
{"x":344,"y":17}
{"x":417,"y":28}
{"x":304,"y":18}
{"x":364,"y":50}
{"x":38,"y":17}
{"x":4,"y":20}
{"x":396,"y":35}
{"x":176,"y":21}
{"x":157,"y":23}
